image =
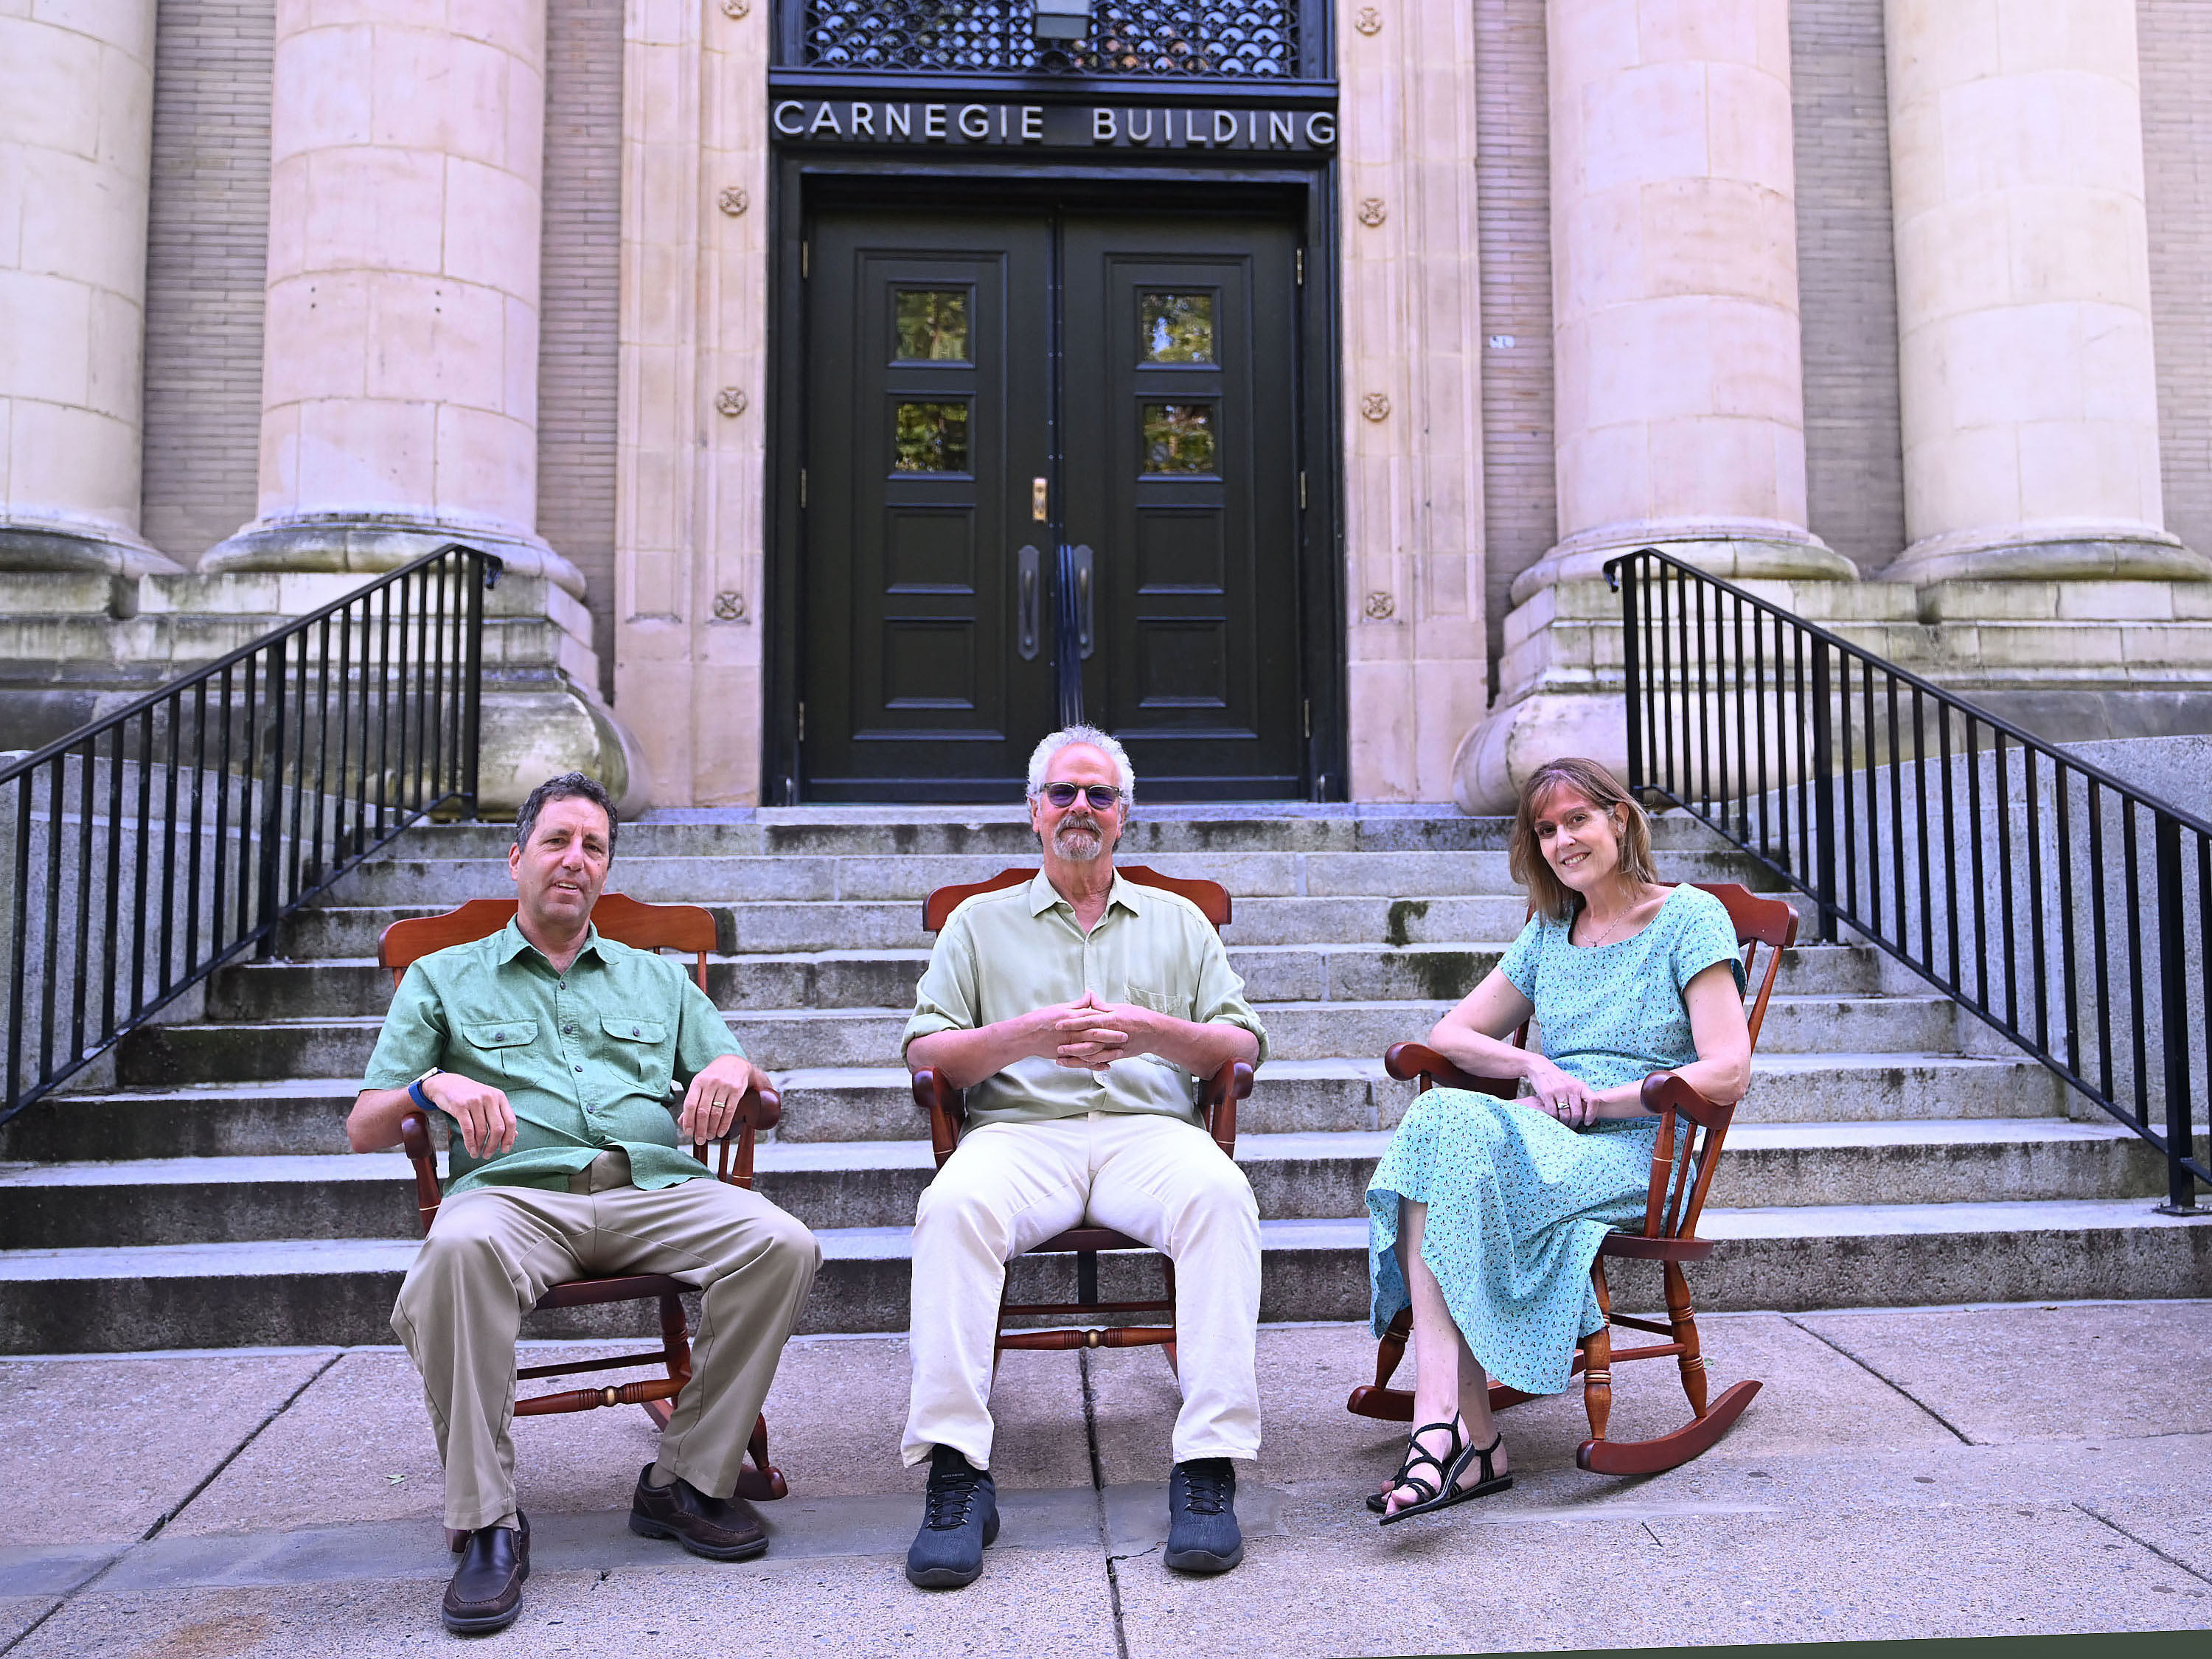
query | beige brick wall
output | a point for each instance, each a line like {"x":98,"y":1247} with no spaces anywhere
{"x":580,"y":307}
{"x":1847,"y":279}
{"x":2174,"y":40}
{"x":1514,"y":213}
{"x":206,"y":269}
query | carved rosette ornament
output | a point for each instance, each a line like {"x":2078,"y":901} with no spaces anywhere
{"x":1380,"y":606}
{"x":736,"y":8}
{"x":1373,"y":212}
{"x":1369,"y":20}
{"x":729,"y":606}
{"x":1374,"y":406}
{"x":733,"y":200}
{"x":730,"y":400}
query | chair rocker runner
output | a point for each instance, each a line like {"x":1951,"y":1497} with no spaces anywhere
{"x":646,"y":927}
{"x":1676,"y":1199}
{"x":1216,"y":1102}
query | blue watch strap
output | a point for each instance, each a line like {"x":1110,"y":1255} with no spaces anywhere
{"x":414,"y":1093}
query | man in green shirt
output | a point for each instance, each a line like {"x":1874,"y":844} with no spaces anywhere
{"x":556,"y":1054}
{"x":1077,"y":1012}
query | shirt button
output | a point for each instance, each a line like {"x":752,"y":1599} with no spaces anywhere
{"x":499,"y":1036}
{"x":569,"y":1031}
{"x":579,"y":1068}
{"x":634,"y":1031}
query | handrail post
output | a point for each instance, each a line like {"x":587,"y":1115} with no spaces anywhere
{"x":270,"y":862}
{"x":1824,"y":800}
{"x":1624,"y":574}
{"x":483,"y":572}
{"x":2174,"y":1023}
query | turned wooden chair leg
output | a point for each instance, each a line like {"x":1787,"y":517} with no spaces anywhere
{"x":1167,"y":1273}
{"x":1597,"y":1360}
{"x":1390,"y":1352}
{"x":1683,"y":1319}
{"x":675,"y":1350}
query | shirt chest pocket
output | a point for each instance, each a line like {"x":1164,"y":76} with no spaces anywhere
{"x":499,"y":1045}
{"x":639,"y":1049}
{"x":1160,"y":1002}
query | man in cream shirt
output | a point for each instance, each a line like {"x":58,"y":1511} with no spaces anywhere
{"x":1078,"y":1012}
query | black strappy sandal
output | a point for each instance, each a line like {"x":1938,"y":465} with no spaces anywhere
{"x":1443,"y":1493}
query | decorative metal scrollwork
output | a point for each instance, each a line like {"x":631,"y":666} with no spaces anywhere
{"x":1247,"y":39}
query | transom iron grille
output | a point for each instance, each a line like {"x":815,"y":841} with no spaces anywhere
{"x":1239,"y":40}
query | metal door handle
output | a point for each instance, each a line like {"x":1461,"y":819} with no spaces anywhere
{"x":1083,"y":629}
{"x":1025,"y":567}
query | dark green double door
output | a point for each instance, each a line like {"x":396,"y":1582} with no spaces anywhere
{"x":1051,"y":469}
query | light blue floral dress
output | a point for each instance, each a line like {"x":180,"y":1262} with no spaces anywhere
{"x":1518,"y":1202}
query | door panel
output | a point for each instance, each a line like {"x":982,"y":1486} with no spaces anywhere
{"x":931,"y":410}
{"x":926,"y":421}
{"x":1182,"y":475}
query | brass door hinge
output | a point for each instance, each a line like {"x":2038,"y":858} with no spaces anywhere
{"x":1309,"y":708}
{"x":1302,"y":490}
{"x":1300,"y":257}
{"x":802,"y":722}
{"x":803,"y":250}
{"x":802,"y":486}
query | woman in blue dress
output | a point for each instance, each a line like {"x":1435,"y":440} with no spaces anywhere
{"x":1485,"y":1214}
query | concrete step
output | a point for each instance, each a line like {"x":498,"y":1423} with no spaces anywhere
{"x":877,"y":979}
{"x":783,"y":1038}
{"x":837,"y":1103}
{"x":414,"y":879}
{"x":776,"y":927}
{"x":326,"y":1291}
{"x":877,"y":1183}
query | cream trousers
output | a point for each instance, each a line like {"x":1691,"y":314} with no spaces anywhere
{"x":493,"y":1251}
{"x":1011,"y":1186}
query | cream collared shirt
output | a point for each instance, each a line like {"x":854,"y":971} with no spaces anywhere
{"x":1007,"y":953}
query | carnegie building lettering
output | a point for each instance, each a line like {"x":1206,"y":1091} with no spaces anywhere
{"x":1050,"y":126}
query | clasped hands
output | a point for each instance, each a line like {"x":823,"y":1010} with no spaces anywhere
{"x":485,"y":1121}
{"x":1558,"y":1094}
{"x":1088,"y":1035}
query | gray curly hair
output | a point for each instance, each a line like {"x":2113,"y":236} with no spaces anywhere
{"x":1089,"y":737}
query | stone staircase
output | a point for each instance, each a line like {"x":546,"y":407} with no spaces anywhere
{"x":1890,"y":1151}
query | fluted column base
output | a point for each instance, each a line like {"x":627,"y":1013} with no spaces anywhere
{"x":2045,"y":552}
{"x":58,"y":544}
{"x":1732,"y":549}
{"x":373,"y":542}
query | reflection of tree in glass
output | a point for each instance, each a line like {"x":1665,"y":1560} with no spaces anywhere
{"x":930,"y":438}
{"x":1177,"y":328}
{"x":932,"y":326}
{"x":1179,"y":438}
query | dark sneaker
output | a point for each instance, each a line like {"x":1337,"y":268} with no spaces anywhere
{"x":959,"y":1517}
{"x":1202,"y":1532}
{"x":720,"y":1529}
{"x":486,"y":1591}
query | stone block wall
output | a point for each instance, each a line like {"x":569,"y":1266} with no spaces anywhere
{"x":1513,"y":169}
{"x":206,"y":259}
{"x":1847,"y":279}
{"x":2174,"y":38}
{"x":578,"y":346}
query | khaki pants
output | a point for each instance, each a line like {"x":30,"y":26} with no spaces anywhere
{"x":1011,"y":1186}
{"x":495,"y":1251}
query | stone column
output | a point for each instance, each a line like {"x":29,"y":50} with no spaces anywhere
{"x":1679,"y":417}
{"x":399,"y":399}
{"x":77,"y":140}
{"x":2029,"y":395}
{"x":1416,"y":675}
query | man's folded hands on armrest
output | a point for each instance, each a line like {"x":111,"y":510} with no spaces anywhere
{"x":710,"y":1105}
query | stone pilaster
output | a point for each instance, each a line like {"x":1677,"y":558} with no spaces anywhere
{"x":2030,"y":394}
{"x":1680,"y":408}
{"x":77,"y":111}
{"x":689,"y":545}
{"x":1413,"y":392}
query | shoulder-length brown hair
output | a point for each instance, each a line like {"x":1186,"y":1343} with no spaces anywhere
{"x":1547,"y":895}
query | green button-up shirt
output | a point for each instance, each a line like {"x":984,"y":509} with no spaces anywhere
{"x":1007,"y":953}
{"x":590,"y":1060}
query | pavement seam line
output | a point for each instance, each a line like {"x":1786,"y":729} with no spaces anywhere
{"x":2145,"y":1543}
{"x":1964,"y":1438}
{"x":233,"y":1455}
{"x":24,"y":1634}
{"x":1098,"y":1486}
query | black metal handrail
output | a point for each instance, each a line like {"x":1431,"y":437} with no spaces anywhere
{"x":159,"y":842}
{"x":2005,"y":872}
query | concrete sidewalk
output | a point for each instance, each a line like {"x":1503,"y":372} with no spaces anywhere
{"x":1982,"y":1471}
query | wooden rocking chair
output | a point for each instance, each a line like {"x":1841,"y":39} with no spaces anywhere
{"x":1670,"y":1237}
{"x":644,"y":928}
{"x":1217,"y":1102}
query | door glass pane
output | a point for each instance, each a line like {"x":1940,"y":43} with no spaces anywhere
{"x":929,"y":438}
{"x":1176,"y":328}
{"x":1179,"y":438}
{"x":932,"y":324}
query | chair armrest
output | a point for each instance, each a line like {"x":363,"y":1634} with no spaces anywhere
{"x":947,"y":1108}
{"x":1216,"y":1102}
{"x":1670,"y":1210}
{"x":415,"y":1136}
{"x":1408,"y":1061}
{"x":1666,"y":1091}
{"x":758,"y":1108}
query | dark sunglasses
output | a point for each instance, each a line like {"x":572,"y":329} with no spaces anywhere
{"x":1102,"y":796}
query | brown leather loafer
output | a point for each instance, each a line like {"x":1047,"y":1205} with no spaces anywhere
{"x":486,"y":1591}
{"x":720,"y":1529}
